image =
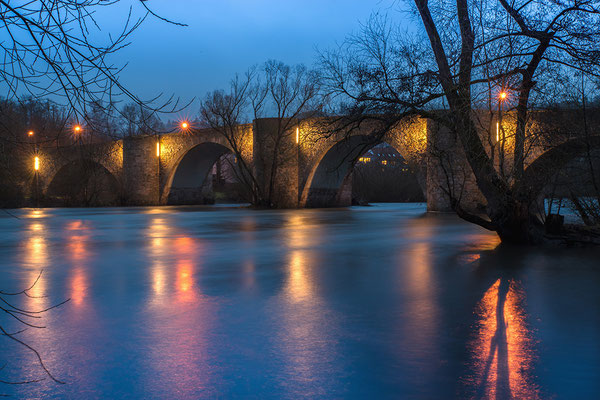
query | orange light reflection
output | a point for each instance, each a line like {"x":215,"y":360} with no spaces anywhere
{"x":78,"y":252}
{"x":36,"y":258}
{"x":503,"y":351}
{"x":416,"y":275}
{"x":305,"y":320}
{"x":299,"y":285}
{"x":158,"y":233}
{"x":185,"y":249}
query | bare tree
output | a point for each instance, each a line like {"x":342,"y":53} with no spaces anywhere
{"x":138,"y":120}
{"x":286,"y":94}
{"x":26,"y":319}
{"x":56,"y":48}
{"x":497,"y":55}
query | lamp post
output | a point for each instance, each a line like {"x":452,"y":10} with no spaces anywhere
{"x":158,"y":154}
{"x":298,"y":161}
{"x":77,"y":130}
{"x":501,"y":97}
{"x":36,"y":168}
{"x":36,"y":165}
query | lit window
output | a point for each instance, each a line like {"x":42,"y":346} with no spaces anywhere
{"x":384,"y":162}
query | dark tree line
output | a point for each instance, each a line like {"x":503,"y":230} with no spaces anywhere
{"x":396,"y":183}
{"x":28,"y":126}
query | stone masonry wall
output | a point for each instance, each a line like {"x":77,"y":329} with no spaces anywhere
{"x":285,"y":188}
{"x":140,"y":170}
{"x":146,"y":178}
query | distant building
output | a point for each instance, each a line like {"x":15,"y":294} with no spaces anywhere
{"x":384,"y":155}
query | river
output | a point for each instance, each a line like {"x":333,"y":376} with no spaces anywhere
{"x":380,"y":302}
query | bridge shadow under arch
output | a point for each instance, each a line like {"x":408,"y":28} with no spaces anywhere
{"x":190,"y":182}
{"x":83,"y":182}
{"x":329,"y":184}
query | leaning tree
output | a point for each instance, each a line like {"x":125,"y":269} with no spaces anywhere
{"x":462,"y":62}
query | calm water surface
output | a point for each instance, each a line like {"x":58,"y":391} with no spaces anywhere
{"x":367,"y":303}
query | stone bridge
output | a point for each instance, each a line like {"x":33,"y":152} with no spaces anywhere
{"x":313,"y":170}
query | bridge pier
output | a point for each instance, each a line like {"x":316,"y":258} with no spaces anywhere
{"x":448,"y":171}
{"x":141,"y":170}
{"x":312,"y":171}
{"x":268,"y":142}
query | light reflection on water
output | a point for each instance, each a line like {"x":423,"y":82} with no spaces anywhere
{"x":417,"y":327}
{"x":77,"y":251}
{"x":34,"y":256}
{"x":157,"y":232}
{"x":502,"y":350}
{"x":179,"y":315}
{"x":377,"y":302}
{"x":299,"y":286}
{"x":303,"y":340}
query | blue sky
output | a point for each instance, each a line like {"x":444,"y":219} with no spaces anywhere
{"x":228,"y":36}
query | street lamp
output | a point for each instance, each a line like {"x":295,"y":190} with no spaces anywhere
{"x":36,"y":168}
{"x":30,"y":133}
{"x":185,"y":125}
{"x":501,"y":96}
{"x":77,"y":128}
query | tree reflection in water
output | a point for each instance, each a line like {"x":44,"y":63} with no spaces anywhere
{"x":502,"y":352}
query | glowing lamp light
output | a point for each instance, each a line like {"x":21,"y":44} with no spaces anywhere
{"x":503,"y":95}
{"x":297,"y":135}
{"x":157,"y":149}
{"x":30,"y":133}
{"x":77,"y":128}
{"x":185,"y":125}
{"x":36,"y":163}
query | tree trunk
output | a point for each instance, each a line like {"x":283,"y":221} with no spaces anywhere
{"x":518,"y":224}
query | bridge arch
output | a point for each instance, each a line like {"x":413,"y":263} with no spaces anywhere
{"x":83,"y":181}
{"x":329,"y":182}
{"x":186,"y":182}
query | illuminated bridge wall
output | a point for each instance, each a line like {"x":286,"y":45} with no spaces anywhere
{"x":313,"y":170}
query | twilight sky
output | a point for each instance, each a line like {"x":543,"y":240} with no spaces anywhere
{"x":228,"y":36}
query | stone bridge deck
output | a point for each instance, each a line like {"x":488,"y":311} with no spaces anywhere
{"x":313,"y":170}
